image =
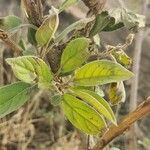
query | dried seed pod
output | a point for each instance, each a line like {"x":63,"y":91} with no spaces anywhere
{"x":95,"y":6}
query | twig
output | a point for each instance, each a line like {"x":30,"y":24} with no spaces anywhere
{"x":114,"y":131}
{"x":5,"y":38}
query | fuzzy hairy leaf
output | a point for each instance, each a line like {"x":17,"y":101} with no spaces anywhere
{"x":116,"y":19}
{"x":74,"y":55}
{"x":97,"y":102}
{"x":130,"y":19}
{"x":48,"y":28}
{"x":10,"y":22}
{"x":82,"y":116}
{"x":31,"y":69}
{"x":101,"y":72}
{"x":13,"y":96}
{"x":75,"y":26}
{"x":104,"y":22}
{"x":67,"y":3}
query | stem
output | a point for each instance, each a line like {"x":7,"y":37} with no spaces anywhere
{"x":114,"y":131}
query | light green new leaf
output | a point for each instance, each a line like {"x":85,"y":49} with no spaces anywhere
{"x":97,"y":102}
{"x":13,"y":97}
{"x":31,"y":69}
{"x":67,"y":3}
{"x":74,"y":55}
{"x":10,"y":22}
{"x":101,"y":72}
{"x":82,"y":116}
{"x":47,"y":30}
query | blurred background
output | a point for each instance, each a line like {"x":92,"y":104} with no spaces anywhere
{"x":40,"y":126}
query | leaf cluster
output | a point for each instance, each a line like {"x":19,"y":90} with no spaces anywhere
{"x":77,"y":82}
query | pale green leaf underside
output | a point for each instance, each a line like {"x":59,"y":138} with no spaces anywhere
{"x":10,"y":22}
{"x":101,"y":72}
{"x":13,"y":96}
{"x":78,"y":25}
{"x":47,"y":30}
{"x":31,"y":69}
{"x":74,"y":55}
{"x":129,"y":18}
{"x":97,"y":102}
{"x":82,"y":116}
{"x":67,"y":3}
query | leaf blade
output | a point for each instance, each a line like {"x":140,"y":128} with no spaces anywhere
{"x":87,"y":116}
{"x":13,"y":96}
{"x":66,"y":4}
{"x":101,"y":72}
{"x":31,"y":68}
{"x":10,"y":22}
{"x":48,"y":28}
{"x":97,"y":102}
{"x":74,"y":55}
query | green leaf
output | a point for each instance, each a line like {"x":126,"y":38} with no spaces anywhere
{"x":82,"y":116}
{"x":31,"y":69}
{"x":31,"y":36}
{"x":10,"y":22}
{"x":104,"y":22}
{"x":101,"y":72}
{"x":56,"y":99}
{"x":48,"y":28}
{"x":67,"y":3}
{"x":13,"y":97}
{"x":75,"y":26}
{"x":116,"y":93}
{"x":74,"y":55}
{"x":97,"y":102}
{"x":116,"y":19}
